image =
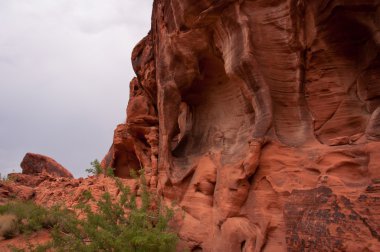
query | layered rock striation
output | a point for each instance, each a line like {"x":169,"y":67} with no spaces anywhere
{"x":259,"y":119}
{"x":262,"y":120}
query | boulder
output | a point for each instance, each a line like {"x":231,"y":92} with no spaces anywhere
{"x":34,"y":164}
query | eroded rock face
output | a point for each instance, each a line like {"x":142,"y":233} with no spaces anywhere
{"x":262,"y":120}
{"x":135,"y":143}
{"x":34,"y":164}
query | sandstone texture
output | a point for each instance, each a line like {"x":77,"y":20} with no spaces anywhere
{"x":25,"y":241}
{"x":34,"y":164}
{"x":262,"y":120}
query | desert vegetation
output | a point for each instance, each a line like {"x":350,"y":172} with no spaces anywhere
{"x":126,"y":223}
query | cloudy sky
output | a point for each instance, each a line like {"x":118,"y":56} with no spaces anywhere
{"x":64,"y":75}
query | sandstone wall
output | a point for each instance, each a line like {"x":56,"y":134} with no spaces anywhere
{"x":261,"y":119}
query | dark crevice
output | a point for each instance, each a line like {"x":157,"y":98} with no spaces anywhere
{"x":197,"y":249}
{"x":242,"y":246}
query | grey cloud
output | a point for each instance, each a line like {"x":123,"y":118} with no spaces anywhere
{"x":64,"y":74}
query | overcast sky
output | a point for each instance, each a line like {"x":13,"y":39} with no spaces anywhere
{"x":64,"y":77}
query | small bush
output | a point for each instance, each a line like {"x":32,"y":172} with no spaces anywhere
{"x":29,"y":217}
{"x":96,"y":168}
{"x":109,"y":172}
{"x":117,"y":225}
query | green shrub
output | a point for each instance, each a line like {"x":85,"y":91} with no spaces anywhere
{"x":97,"y":169}
{"x":120,"y":225}
{"x":28,"y":216}
{"x":124,"y":224}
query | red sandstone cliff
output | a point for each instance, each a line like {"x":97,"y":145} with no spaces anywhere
{"x":262,"y":119}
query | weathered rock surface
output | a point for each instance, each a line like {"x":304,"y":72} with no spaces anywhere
{"x":135,"y":143}
{"x":25,"y":241}
{"x":34,"y":164}
{"x":12,"y":190}
{"x":49,"y":190}
{"x":262,"y":119}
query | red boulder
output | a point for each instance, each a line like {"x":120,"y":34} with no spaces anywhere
{"x":34,"y":164}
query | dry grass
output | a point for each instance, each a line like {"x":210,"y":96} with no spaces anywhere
{"x":8,"y":226}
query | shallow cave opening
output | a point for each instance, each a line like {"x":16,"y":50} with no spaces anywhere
{"x":125,"y":162}
{"x":218,"y":117}
{"x":197,"y":249}
{"x":347,"y":37}
{"x":343,"y":72}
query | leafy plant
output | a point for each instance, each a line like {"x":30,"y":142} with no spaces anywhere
{"x":121,"y":225}
{"x":27,"y":217}
{"x":127,"y":223}
{"x":109,"y":172}
{"x":97,"y":169}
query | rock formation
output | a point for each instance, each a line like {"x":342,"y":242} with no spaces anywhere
{"x":47,"y":190}
{"x":262,"y":120}
{"x":34,"y":164}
